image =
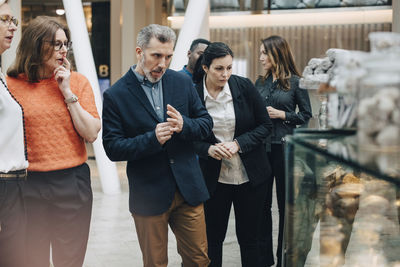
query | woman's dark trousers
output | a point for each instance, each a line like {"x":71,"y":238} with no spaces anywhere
{"x":248,"y":204}
{"x":59,"y":205}
{"x":277,"y":162}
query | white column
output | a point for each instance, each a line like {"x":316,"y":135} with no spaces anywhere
{"x":85,"y":64}
{"x":396,"y":16}
{"x":7,"y":58}
{"x":195,"y":25}
{"x":205,"y":25}
{"x":128,"y":37}
{"x":115,"y":40}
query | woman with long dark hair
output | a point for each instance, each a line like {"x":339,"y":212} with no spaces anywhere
{"x":279,"y":87}
{"x":232,"y":159}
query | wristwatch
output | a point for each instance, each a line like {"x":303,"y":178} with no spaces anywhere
{"x":72,"y":99}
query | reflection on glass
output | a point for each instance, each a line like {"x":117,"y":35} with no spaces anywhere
{"x":259,"y":5}
{"x":339,"y":213}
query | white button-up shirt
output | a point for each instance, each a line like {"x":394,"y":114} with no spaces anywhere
{"x":12,"y":146}
{"x":223,"y":114}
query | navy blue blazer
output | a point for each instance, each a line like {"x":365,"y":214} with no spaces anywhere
{"x":252,"y":127}
{"x":154,"y":171}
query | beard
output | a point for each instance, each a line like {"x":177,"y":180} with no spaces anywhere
{"x":147,"y":72}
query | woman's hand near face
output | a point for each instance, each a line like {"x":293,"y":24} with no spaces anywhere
{"x":276,"y":113}
{"x":85,"y":124}
{"x":62,"y":75}
{"x":219,"y":152}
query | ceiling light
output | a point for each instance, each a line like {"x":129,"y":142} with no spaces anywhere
{"x":60,"y":11}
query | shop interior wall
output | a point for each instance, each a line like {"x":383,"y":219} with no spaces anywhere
{"x":306,"y":41}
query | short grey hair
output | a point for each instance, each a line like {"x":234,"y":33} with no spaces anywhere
{"x":163,"y":34}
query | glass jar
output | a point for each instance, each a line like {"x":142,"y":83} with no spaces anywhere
{"x":378,"y":113}
{"x":384,"y":42}
{"x":323,"y":113}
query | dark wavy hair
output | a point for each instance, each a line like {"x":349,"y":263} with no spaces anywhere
{"x":213,"y":51}
{"x":282,"y":60}
{"x":35,"y":47}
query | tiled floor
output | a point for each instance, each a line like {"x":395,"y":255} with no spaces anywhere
{"x":113,"y":241}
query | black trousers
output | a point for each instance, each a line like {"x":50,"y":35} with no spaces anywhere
{"x":59,"y":206}
{"x":277,"y":162}
{"x":248,"y":204}
{"x":12,"y":223}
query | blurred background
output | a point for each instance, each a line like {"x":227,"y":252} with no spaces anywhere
{"x":310,"y":26}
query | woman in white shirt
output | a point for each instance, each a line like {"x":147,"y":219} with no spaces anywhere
{"x":233,"y":157}
{"x":13,"y":159}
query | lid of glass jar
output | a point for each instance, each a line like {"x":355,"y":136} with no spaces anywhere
{"x":384,"y":41}
{"x":380,"y":79}
{"x":382,"y":62}
{"x":382,"y":69}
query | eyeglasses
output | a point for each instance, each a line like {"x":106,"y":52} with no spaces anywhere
{"x":59,"y":45}
{"x":8,"y":19}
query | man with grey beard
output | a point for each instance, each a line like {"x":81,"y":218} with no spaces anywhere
{"x":151,"y":116}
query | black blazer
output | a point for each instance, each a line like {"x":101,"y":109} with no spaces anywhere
{"x":155,"y":171}
{"x":252,"y":127}
{"x":286,"y":100}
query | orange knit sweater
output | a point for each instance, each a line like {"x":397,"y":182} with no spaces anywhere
{"x":52,"y":142}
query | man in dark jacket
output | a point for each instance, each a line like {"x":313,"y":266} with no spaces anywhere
{"x":151,"y":116}
{"x":195,"y":51}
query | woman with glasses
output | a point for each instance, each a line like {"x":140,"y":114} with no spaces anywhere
{"x":13,"y":159}
{"x":60,"y":115}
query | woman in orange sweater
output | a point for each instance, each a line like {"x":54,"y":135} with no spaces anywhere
{"x":60,"y":114}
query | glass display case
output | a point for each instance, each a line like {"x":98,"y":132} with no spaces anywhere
{"x":342,"y":202}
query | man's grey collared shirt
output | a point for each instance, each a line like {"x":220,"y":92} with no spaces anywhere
{"x":153,"y":92}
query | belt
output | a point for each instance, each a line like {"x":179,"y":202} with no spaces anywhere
{"x":22,"y":174}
